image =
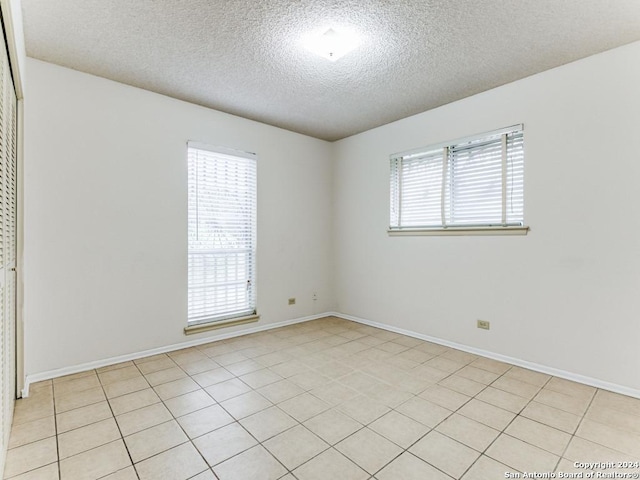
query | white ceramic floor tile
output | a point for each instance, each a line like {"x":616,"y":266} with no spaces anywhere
{"x":410,"y":467}
{"x":295,"y":446}
{"x":330,"y":464}
{"x":332,"y":426}
{"x":178,"y":463}
{"x":368,"y":450}
{"x":221,"y":444}
{"x":444,"y":453}
{"x":254,"y":464}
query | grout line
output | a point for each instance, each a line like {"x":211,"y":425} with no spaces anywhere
{"x":55,"y":423}
{"x":191,"y":440}
{"x":118,"y":426}
{"x":573,"y":435}
{"x":503,"y":431}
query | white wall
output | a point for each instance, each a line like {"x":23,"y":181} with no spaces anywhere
{"x":106,"y":220}
{"x":565,"y":296}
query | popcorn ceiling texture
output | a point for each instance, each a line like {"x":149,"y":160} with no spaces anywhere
{"x":245,"y":56}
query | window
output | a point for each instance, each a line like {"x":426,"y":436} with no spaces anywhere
{"x":472,"y":184}
{"x":222,"y":234}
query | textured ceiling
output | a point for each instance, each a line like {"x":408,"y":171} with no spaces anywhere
{"x":245,"y":57}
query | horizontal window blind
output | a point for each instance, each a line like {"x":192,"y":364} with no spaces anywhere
{"x":475,"y":182}
{"x":417,"y":185}
{"x":222,"y":234}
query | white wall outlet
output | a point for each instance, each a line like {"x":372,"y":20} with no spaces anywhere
{"x":314,"y":297}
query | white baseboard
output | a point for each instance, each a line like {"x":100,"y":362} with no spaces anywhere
{"x":83,"y":367}
{"x":594,"y":382}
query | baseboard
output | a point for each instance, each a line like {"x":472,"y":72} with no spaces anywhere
{"x":594,"y":382}
{"x":60,"y":372}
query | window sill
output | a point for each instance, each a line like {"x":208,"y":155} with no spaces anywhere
{"x":232,"y":322}
{"x":457,"y":231}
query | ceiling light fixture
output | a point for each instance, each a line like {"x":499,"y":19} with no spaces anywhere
{"x":332,"y":45}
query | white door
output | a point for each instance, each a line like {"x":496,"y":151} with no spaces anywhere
{"x":8,"y":198}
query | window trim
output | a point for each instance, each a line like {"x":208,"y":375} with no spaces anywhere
{"x":457,"y":230}
{"x":240,"y":317}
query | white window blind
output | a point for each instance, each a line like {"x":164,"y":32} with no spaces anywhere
{"x":473,"y":182}
{"x":416,"y":188}
{"x":222,"y":234}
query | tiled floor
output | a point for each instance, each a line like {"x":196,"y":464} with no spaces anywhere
{"x":328,"y":399}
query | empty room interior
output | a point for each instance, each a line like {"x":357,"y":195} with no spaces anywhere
{"x":304,"y":240}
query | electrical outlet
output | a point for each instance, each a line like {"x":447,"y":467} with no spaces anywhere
{"x":292,"y":301}
{"x":314,"y":297}
{"x":484,"y":324}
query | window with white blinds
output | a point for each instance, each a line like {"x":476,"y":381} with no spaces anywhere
{"x":222,"y":234}
{"x":477,"y":182}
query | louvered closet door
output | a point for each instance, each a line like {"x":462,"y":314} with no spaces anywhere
{"x":8,"y":186}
